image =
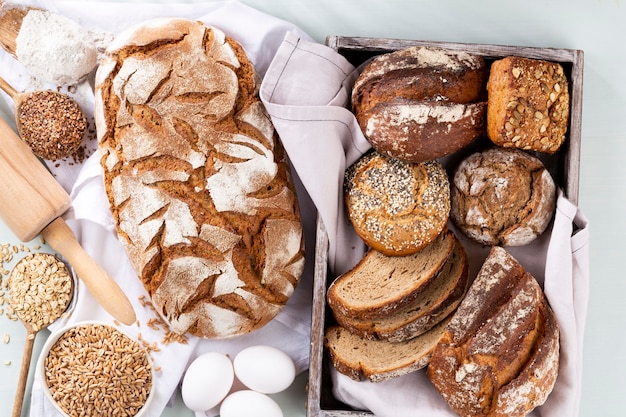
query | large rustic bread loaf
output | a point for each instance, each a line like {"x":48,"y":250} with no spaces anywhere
{"x":197,"y":179}
{"x":499,"y":355}
{"x":438,"y":298}
{"x":502,"y":196}
{"x":421,"y":103}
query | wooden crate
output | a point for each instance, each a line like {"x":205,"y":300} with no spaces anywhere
{"x":563,"y":165}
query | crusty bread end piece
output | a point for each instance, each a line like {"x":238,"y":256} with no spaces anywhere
{"x":379,"y":360}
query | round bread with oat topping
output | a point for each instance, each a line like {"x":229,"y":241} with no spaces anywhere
{"x":397,"y":207}
{"x":197,"y":179}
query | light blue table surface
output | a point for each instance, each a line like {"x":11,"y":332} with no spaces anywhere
{"x":596,"y":26}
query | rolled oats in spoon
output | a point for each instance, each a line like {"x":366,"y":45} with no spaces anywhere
{"x":40,"y":290}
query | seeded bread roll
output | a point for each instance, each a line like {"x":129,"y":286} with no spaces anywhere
{"x":197,"y":179}
{"x":502,"y":196}
{"x":380,"y":360}
{"x":528,"y":104}
{"x":379,"y":285}
{"x":439,"y":297}
{"x":499,"y":355}
{"x":397,"y":207}
{"x":421,"y":103}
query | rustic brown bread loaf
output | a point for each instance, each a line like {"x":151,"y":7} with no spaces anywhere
{"x":502,"y":196}
{"x":396,"y":207}
{"x":380,"y":284}
{"x":196,"y":177}
{"x":379,"y":360}
{"x":499,"y":354}
{"x":528,"y":104}
{"x":437,"y":300}
{"x":421,"y":103}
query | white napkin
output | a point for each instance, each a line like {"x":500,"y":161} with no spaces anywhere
{"x":91,"y":220}
{"x":305,"y":91}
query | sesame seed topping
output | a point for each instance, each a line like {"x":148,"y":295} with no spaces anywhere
{"x":399,"y":205}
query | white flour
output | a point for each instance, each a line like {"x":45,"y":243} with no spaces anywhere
{"x":55,"y":49}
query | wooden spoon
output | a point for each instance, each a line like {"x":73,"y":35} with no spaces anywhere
{"x":51,"y":123}
{"x":67,"y":38}
{"x":10,"y":24}
{"x":31,"y":279}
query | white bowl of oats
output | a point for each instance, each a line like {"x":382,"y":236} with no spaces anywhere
{"x":95,"y":369}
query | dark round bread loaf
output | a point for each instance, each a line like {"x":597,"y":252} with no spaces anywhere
{"x":502,"y":196}
{"x":421,"y":103}
{"x":397,"y":207}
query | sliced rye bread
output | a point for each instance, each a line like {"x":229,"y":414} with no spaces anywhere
{"x":499,"y":354}
{"x":379,"y":360}
{"x":380,"y":284}
{"x":440,"y":297}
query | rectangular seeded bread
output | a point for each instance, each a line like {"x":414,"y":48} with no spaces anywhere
{"x":440,"y":297}
{"x":380,"y":284}
{"x":528,"y":104}
{"x":197,"y":179}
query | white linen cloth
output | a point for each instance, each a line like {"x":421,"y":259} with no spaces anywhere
{"x":305,"y":91}
{"x":90,"y":218}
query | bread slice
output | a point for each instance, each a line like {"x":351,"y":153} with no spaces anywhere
{"x":500,"y":339}
{"x":438,"y":300}
{"x":379,"y":360}
{"x":380,"y":284}
{"x":536,"y":381}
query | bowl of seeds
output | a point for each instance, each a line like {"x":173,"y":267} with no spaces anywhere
{"x":95,"y":369}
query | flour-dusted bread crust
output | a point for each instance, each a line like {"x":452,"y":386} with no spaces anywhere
{"x":499,"y":355}
{"x":397,"y":207}
{"x":502,"y":196}
{"x":438,"y":299}
{"x":421,"y":103}
{"x":528,"y":104}
{"x":420,"y":131}
{"x":196,"y":177}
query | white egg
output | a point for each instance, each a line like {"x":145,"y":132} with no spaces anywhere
{"x":264,"y":369}
{"x":248,"y":403}
{"x":207,"y":381}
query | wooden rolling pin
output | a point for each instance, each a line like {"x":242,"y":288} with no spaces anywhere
{"x":32,"y":204}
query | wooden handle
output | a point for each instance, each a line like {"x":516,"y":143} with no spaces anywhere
{"x":21,"y":383}
{"x":104,"y":289}
{"x":7,"y":88}
{"x":31,"y":196}
{"x":10,"y":23}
